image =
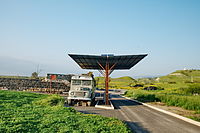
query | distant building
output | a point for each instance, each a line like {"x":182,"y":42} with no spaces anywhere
{"x":158,"y":79}
{"x":58,"y":78}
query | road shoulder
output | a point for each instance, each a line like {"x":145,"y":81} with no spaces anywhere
{"x":167,"y":112}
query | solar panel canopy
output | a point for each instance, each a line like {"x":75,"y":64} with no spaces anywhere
{"x":118,"y":62}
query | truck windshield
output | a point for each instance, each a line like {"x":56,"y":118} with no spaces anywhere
{"x":86,"y":82}
{"x":76,"y":82}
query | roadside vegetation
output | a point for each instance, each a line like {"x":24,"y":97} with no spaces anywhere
{"x":187,"y":98}
{"x":179,"y":97}
{"x":180,"y":88}
{"x":31,"y":112}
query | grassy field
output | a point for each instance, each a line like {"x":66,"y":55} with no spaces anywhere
{"x":180,"y":88}
{"x":116,"y":83}
{"x":179,"y":79}
{"x":31,"y":112}
{"x":169,"y":97}
{"x":175,"y":80}
{"x":19,"y":77}
{"x":172,"y":81}
{"x":174,"y":98}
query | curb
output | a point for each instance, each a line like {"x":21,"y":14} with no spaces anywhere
{"x":105,"y":107}
{"x":167,"y":112}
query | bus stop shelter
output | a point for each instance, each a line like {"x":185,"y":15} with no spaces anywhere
{"x":106,"y":64}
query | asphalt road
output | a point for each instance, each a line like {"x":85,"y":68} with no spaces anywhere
{"x":142,"y":119}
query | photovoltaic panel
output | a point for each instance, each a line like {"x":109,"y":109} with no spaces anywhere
{"x":120,"y":62}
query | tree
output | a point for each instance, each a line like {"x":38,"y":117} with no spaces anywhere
{"x":34,"y":75}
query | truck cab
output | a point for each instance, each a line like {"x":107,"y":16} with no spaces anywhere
{"x":81,"y":90}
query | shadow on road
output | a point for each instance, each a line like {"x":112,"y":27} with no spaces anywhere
{"x":136,"y":127}
{"x":119,"y":101}
{"x":88,"y":112}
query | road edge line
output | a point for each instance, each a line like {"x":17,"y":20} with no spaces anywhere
{"x":167,"y":112}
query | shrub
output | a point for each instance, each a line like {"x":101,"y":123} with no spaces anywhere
{"x":153,"y":88}
{"x":51,"y":100}
{"x":185,"y":101}
{"x":172,"y":82}
{"x":138,"y":85}
{"x":142,"y":96}
{"x":192,"y":89}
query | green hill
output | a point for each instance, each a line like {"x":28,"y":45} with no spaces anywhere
{"x":182,"y":76}
{"x":116,"y":83}
{"x":177,"y":79}
{"x":126,"y":78}
{"x":187,"y":72}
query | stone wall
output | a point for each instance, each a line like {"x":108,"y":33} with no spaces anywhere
{"x":32,"y":84}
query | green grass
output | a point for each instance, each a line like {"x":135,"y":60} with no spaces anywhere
{"x":16,"y":77}
{"x":19,"y":77}
{"x":116,"y":83}
{"x":182,"y":76}
{"x":170,"y":97}
{"x":181,"y":88}
{"x":31,"y":112}
{"x":177,"y":79}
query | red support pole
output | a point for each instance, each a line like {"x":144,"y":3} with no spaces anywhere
{"x":107,"y":82}
{"x":107,"y":71}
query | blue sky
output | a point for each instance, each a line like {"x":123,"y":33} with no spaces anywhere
{"x":42,"y":33}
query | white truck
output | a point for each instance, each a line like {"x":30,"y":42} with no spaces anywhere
{"x":81,"y":90}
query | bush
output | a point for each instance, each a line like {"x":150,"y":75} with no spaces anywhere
{"x":153,"y":88}
{"x":172,"y":82}
{"x":185,"y":101}
{"x":52,"y":100}
{"x":192,"y":89}
{"x":142,"y":96}
{"x":138,"y":85}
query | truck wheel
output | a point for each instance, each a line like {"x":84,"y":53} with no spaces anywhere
{"x":89,"y":103}
{"x":69,"y":101}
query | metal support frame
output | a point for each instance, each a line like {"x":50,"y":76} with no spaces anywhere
{"x":106,"y":71}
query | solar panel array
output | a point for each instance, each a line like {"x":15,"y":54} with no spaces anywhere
{"x":119,"y":62}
